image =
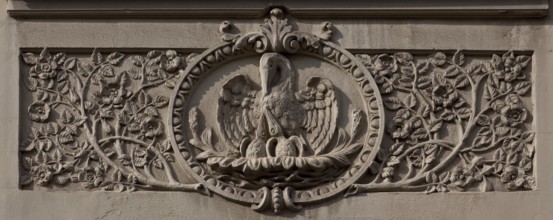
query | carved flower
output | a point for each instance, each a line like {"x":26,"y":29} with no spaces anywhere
{"x":509,"y":67}
{"x":171,"y":61}
{"x":513,"y":113}
{"x":515,"y":178}
{"x":402,"y":128}
{"x":42,"y":174}
{"x":462,"y":176}
{"x":403,"y":125}
{"x":151,"y":127}
{"x":444,"y":95}
{"x":385,"y":65}
{"x":91,"y":177}
{"x":39,"y":111}
{"x":113,"y":93}
{"x":44,"y":69}
{"x":388,"y":172}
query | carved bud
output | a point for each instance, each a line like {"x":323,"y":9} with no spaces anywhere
{"x":193,"y":121}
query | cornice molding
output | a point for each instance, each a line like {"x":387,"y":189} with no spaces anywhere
{"x":29,"y":9}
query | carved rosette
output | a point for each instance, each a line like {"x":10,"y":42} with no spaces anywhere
{"x":276,"y":36}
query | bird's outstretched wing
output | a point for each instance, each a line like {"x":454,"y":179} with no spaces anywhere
{"x":236,"y":110}
{"x":319,"y":101}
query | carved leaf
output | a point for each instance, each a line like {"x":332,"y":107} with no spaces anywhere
{"x":107,"y":71}
{"x":447,"y":116}
{"x":522,"y":88}
{"x":420,"y":133}
{"x":134,"y":73}
{"x":207,"y":137}
{"x":143,"y":98}
{"x":66,"y":117}
{"x":424,"y":82}
{"x":397,"y":148}
{"x":62,"y":77}
{"x":528,"y":137}
{"x":30,"y":83}
{"x":154,"y":54}
{"x":84,"y":68}
{"x":452,"y":72}
{"x":435,"y":125}
{"x":28,"y":147}
{"x":44,"y":55}
{"x":97,"y":79}
{"x":386,"y":88}
{"x":29,"y":58}
{"x":459,"y":58}
{"x":97,"y":57}
{"x":53,"y":128}
{"x":464,"y":113}
{"x":341,"y":157}
{"x":474,"y":69}
{"x":444,"y":176}
{"x":151,"y":111}
{"x":424,"y":68}
{"x":59,"y":58}
{"x":115,"y":58}
{"x":41,"y":157}
{"x":117,"y":176}
{"x":490,"y":92}
{"x":410,"y":101}
{"x":73,"y":97}
{"x":161,"y":101}
{"x":69,"y":63}
{"x":483,"y":141}
{"x":41,"y":95}
{"x":483,"y":120}
{"x":431,"y":177}
{"x":523,"y":60}
{"x":57,"y":156}
{"x":392,"y":103}
{"x":461,"y":82}
{"x":72,"y":129}
{"x":424,"y":111}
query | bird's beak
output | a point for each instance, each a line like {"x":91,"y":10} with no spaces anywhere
{"x":264,"y":71}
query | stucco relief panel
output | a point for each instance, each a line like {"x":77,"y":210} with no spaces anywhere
{"x":277,"y":119}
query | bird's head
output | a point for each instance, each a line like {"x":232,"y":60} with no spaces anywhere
{"x":275,"y":70}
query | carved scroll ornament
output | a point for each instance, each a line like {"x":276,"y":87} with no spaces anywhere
{"x":282,"y":134}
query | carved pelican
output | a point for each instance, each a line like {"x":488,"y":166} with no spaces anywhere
{"x":277,"y":121}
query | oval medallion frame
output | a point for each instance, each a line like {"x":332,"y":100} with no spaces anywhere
{"x":294,"y":43}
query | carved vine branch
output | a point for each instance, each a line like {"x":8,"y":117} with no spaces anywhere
{"x":89,"y":114}
{"x":434,"y":94}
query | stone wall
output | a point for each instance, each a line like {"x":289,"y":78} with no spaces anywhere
{"x":125,"y":117}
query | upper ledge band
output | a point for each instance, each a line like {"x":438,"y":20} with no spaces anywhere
{"x":257,"y":9}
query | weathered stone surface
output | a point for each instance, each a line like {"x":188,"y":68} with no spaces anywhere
{"x":286,"y":119}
